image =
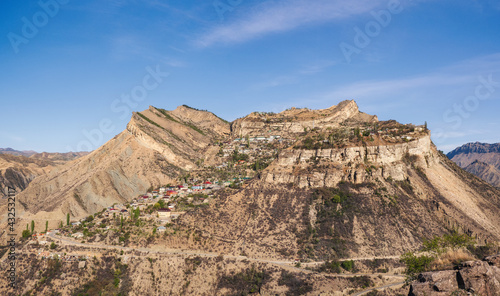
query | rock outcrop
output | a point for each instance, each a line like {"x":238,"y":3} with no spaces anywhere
{"x":294,"y":121}
{"x":350,"y":164}
{"x":470,"y":278}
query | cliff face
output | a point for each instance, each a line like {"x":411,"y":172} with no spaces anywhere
{"x":350,"y":164}
{"x":480,"y":159}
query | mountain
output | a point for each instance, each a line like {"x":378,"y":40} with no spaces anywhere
{"x":17,"y":171}
{"x":480,"y":159}
{"x":16,"y":152}
{"x":58,"y":157}
{"x":156,"y":147}
{"x":350,"y":186}
{"x":379,"y":164}
{"x":311,"y":185}
{"x":19,"y":168}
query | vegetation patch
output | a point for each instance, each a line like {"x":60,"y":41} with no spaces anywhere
{"x":245,"y":282}
{"x":110,"y":279}
{"x":168,"y":116}
{"x":149,"y":120}
{"x":362,"y":282}
{"x":441,"y":253}
{"x":192,"y":126}
{"x":296,"y":285}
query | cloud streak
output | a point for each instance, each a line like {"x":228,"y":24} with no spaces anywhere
{"x":460,"y":74}
{"x":309,"y":70}
{"x":275,"y":17}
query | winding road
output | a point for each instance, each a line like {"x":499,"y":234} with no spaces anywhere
{"x":286,"y":264}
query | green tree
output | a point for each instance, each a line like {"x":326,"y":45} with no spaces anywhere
{"x":32,"y":226}
{"x":26,"y":233}
{"x":347,"y":265}
{"x":415,"y":265}
{"x":61,"y":225}
{"x":67,"y":219}
{"x":46,"y":226}
{"x":137,"y":213}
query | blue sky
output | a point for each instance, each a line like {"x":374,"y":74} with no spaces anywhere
{"x":73,"y":72}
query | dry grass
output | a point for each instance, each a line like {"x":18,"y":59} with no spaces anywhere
{"x":451,"y":258}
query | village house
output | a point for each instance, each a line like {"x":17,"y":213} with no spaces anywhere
{"x":77,"y":235}
{"x":161,"y":229}
{"x":164,"y":213}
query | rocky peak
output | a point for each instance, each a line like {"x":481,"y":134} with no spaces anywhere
{"x":294,"y":121}
{"x":476,"y":147}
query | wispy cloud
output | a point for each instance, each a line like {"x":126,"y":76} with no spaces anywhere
{"x":436,"y":90}
{"x":459,"y":74}
{"x":12,"y":137}
{"x":129,"y":46}
{"x":313,"y":68}
{"x":274,"y":17}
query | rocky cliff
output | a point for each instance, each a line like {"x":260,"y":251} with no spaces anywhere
{"x":351,"y":164}
{"x":470,"y":278}
{"x":294,"y":121}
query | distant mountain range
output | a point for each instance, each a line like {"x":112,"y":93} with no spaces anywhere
{"x":480,"y":159}
{"x":19,"y":168}
{"x":54,"y":156}
{"x":17,"y":152}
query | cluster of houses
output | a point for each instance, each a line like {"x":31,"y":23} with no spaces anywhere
{"x":254,"y":147}
{"x":259,"y":139}
{"x":389,"y":134}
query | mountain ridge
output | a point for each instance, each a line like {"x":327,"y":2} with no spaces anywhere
{"x":480,"y":159}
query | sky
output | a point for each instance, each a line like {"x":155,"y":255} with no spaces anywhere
{"x":72,"y":72}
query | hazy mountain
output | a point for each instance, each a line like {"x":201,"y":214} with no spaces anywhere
{"x":480,"y":159}
{"x":19,"y":168}
{"x":16,"y":152}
